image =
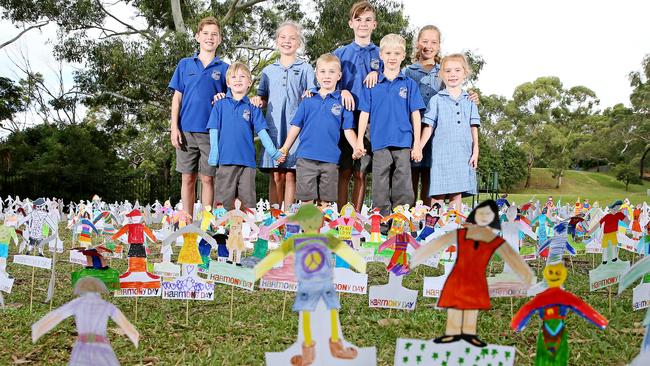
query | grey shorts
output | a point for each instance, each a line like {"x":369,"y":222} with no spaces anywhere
{"x":193,"y":155}
{"x":235,"y":181}
{"x":316,"y":180}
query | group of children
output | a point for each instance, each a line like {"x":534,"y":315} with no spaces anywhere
{"x":357,"y":112}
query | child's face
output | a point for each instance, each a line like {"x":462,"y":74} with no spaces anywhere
{"x":429,"y":44}
{"x":328,"y":74}
{"x":208,"y":38}
{"x":363,"y":24}
{"x":453,"y":73}
{"x":239,"y":82}
{"x":288,"y":41}
{"x":392,"y":57}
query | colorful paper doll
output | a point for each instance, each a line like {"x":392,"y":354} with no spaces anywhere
{"x":235,"y":243}
{"x":37,"y":222}
{"x":399,"y":242}
{"x":543,"y":221}
{"x":189,"y":253}
{"x":85,"y":229}
{"x":640,"y":269}
{"x":345,"y":224}
{"x":553,"y":306}
{"x":137,"y":275}
{"x":7,"y":234}
{"x":512,"y":230}
{"x":375,"y":219}
{"x":559,"y":239}
{"x":261,"y":246}
{"x":430,"y":221}
{"x":635,"y":227}
{"x":610,"y":224}
{"x":466,"y":289}
{"x":97,"y":267}
{"x":91,"y":314}
{"x":315,"y":274}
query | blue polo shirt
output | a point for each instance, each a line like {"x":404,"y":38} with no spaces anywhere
{"x":198,"y":85}
{"x":236,"y":121}
{"x":390,"y":104}
{"x":356,"y":63}
{"x":321,"y":121}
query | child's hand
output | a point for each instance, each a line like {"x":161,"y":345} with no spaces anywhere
{"x":281,"y":156}
{"x":348,"y":100}
{"x":371,"y":79}
{"x":257,"y":101}
{"x":473,"y":161}
{"x":416,"y":154}
{"x":177,"y":138}
{"x":358,"y":152}
{"x":473,"y":96}
{"x":218,"y":96}
{"x":307,"y":94}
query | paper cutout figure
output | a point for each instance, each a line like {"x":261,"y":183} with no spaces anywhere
{"x":189,"y":253}
{"x":640,"y":269}
{"x":7,"y":234}
{"x":543,"y":221}
{"x":91,"y":314}
{"x":97,"y":267}
{"x":235,"y":243}
{"x":261,"y":246}
{"x":37,"y":222}
{"x":137,"y":276}
{"x":314,"y":272}
{"x":466,"y":288}
{"x":559,"y":240}
{"x":418,"y":352}
{"x":431,"y":219}
{"x":399,"y":241}
{"x":553,"y":306}
{"x":610,"y":226}
{"x":345,"y":224}
{"x":375,"y":225}
{"x":86,"y":228}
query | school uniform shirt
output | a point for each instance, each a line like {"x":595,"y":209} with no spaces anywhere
{"x":429,"y":84}
{"x":356,"y":63}
{"x":390,"y":104}
{"x":451,"y":145}
{"x":321,"y":121}
{"x":283,"y":88}
{"x":198,"y":85}
{"x":236,"y":121}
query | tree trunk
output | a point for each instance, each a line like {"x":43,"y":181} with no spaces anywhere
{"x":530,"y":169}
{"x":558,"y":181}
{"x":642,"y":160}
{"x":179,"y":25}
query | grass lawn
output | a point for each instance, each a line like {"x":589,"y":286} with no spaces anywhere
{"x":600,"y":187}
{"x":211,"y":339}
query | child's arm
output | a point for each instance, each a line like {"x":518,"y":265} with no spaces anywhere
{"x":473,"y":161}
{"x":416,"y":151}
{"x":176,"y":137}
{"x":294,"y":131}
{"x":262,"y":97}
{"x":427,"y":131}
{"x":363,"y":124}
{"x":274,"y":153}
{"x":213,"y":158}
{"x":351,"y":136}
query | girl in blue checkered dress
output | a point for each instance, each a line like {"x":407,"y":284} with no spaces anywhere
{"x":453,"y":120}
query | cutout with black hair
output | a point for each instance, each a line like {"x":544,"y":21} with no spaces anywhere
{"x":496,"y":222}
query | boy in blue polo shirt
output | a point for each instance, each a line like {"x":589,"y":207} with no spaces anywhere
{"x":232,"y":123}
{"x":195,"y":82}
{"x":319,"y":121}
{"x":360,"y":64}
{"x":393,"y":109}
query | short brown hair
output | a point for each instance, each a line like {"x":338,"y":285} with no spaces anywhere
{"x":327,"y":58}
{"x":361,"y":7}
{"x":208,"y":21}
{"x":238,"y":66}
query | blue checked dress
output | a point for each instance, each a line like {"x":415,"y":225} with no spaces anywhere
{"x":429,"y":84}
{"x":451,"y":145}
{"x":283,"y":87}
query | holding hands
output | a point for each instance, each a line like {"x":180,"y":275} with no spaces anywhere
{"x":416,"y":153}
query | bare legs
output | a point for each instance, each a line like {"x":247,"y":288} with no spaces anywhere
{"x":188,"y":191}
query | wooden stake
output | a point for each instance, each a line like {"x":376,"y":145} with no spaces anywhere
{"x":187,"y":311}
{"x":232,"y":298}
{"x":390,"y":313}
{"x":136,"y":308}
{"x":609,"y":289}
{"x":512,"y":314}
{"x":284,"y":304}
{"x":572,"y":269}
{"x":31,"y":290}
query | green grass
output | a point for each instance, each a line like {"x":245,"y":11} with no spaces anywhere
{"x":258,"y":327}
{"x":600,"y":187}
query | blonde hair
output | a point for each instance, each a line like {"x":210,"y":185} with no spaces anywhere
{"x":296,"y":26}
{"x":457,"y":57}
{"x":328,"y":58}
{"x":238,"y":66}
{"x":417,"y":53}
{"x":392,"y":40}
{"x":361,"y":7}
{"x":208,"y":21}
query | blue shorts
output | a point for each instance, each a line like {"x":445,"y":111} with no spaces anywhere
{"x":309,"y":293}
{"x":4,"y":250}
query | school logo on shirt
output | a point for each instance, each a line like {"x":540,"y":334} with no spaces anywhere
{"x":403,"y":91}
{"x":216,"y":75}
{"x":246,"y":115}
{"x":296,"y":72}
{"x":374,"y":64}
{"x":336,"y":109}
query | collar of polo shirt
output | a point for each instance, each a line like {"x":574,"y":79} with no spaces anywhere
{"x":336,"y":94}
{"x":242,"y":100}
{"x":464,"y":93}
{"x":215,"y":60}
{"x":382,"y":77}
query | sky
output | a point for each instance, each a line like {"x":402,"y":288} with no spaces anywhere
{"x":591,"y":43}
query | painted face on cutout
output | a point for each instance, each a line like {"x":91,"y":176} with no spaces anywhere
{"x":555,"y":274}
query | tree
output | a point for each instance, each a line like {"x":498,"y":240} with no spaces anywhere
{"x":11,"y":102}
{"x":626,"y":173}
{"x":640,"y":99}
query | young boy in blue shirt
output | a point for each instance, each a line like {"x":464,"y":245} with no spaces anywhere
{"x":392,"y":108}
{"x":319,"y":121}
{"x":360,"y":64}
{"x":195,"y":82}
{"x":232,"y":122}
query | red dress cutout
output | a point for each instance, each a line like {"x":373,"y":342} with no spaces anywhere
{"x":466,"y":287}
